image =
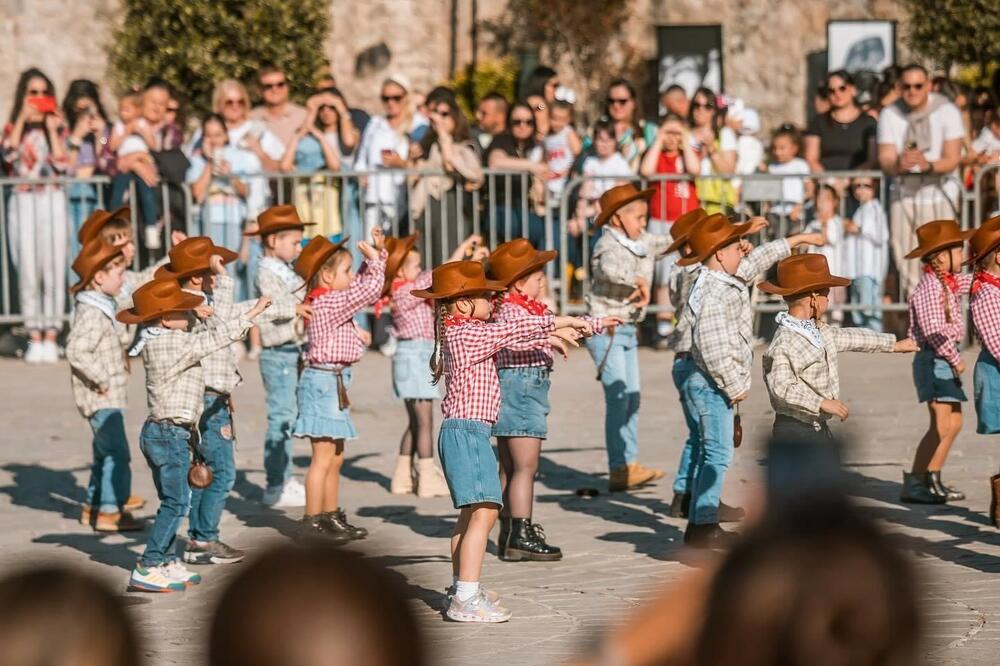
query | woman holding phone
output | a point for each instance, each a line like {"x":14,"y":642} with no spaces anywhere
{"x":85,"y":150}
{"x":33,"y":147}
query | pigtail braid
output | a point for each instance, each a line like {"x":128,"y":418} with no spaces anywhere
{"x":946,"y":300}
{"x":437,"y":357}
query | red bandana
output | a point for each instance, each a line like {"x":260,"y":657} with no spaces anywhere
{"x":532,"y":305}
{"x":315,"y":293}
{"x":460,"y":320}
{"x":984,"y":277}
{"x":949,"y":278}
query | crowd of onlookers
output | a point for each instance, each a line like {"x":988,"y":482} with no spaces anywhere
{"x":523,"y":167}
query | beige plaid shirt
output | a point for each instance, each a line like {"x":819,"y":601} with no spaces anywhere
{"x":282,"y":326}
{"x":175,"y":380}
{"x":222,"y":372}
{"x":799,"y":375}
{"x":134,"y":280}
{"x":615,"y":266}
{"x":95,"y":349}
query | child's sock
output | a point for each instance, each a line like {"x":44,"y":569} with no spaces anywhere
{"x":465,"y":591}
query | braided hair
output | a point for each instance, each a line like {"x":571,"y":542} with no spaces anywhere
{"x":437,"y":357}
{"x":940,"y":273}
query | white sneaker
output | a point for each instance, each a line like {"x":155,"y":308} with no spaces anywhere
{"x":291,"y":494}
{"x":388,"y":349}
{"x":153,"y":579}
{"x":181,"y":574}
{"x":35,"y":353}
{"x":152,"y":237}
{"x":50,"y":352}
{"x":476,"y":609}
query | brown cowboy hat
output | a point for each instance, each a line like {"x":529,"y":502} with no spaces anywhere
{"x":709,"y":236}
{"x":397,"y":248}
{"x":94,"y":256}
{"x":314,"y":255}
{"x":937,"y":235}
{"x":515,"y":259}
{"x":192,"y":256}
{"x":157,"y":298}
{"x":682,"y":226}
{"x":91,"y":227}
{"x":985,"y":239}
{"x":802,"y":274}
{"x":617,"y":197}
{"x":459,"y":278}
{"x":278,"y":218}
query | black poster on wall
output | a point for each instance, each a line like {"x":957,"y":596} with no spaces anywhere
{"x":689,"y":56}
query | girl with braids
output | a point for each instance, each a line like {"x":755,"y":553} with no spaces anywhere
{"x":464,"y":349}
{"x":938,"y":326}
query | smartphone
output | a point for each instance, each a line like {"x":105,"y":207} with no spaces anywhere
{"x":42,"y":104}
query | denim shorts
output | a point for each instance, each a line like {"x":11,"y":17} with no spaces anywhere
{"x":524,"y":403}
{"x":320,"y":416}
{"x":935,"y":380}
{"x":412,"y":378}
{"x":469,"y":462}
{"x":986,"y":381}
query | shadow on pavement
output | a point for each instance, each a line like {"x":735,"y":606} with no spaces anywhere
{"x":93,"y":545}
{"x":353,"y":471}
{"x":45,"y":489}
{"x":407,"y":516}
{"x":244,"y":503}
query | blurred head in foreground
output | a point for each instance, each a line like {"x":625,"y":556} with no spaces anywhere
{"x":314,"y":606}
{"x":52,"y":616}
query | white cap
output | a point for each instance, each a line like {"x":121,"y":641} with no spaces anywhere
{"x":564,"y":94}
{"x":750,"y":121}
{"x":399,"y":79}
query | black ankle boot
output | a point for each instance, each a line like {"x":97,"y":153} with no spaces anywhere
{"x":527,"y":543}
{"x":918,"y":488}
{"x":336,"y":521}
{"x":681,"y":505}
{"x":950,"y":494}
{"x":314,"y":527}
{"x":709,"y":536}
{"x":503,"y":537}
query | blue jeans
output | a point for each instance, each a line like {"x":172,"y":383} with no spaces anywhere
{"x":280,"y":372}
{"x":620,"y":380}
{"x":216,"y":446}
{"x":143,"y":192}
{"x":714,"y":451}
{"x":680,"y":372}
{"x":165,"y":447}
{"x":110,"y":474}
{"x":867,"y":291}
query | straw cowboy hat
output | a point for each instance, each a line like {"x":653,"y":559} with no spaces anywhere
{"x":709,"y":236}
{"x":94,"y":256}
{"x":459,"y":278}
{"x":397,"y":248}
{"x":984,"y":240}
{"x":157,"y":298}
{"x":314,"y":255}
{"x":937,"y":235}
{"x":802,"y":274}
{"x":515,"y":259}
{"x":192,"y":256}
{"x":278,"y":218}
{"x":682,"y":226}
{"x":91,"y":227}
{"x":617,"y":197}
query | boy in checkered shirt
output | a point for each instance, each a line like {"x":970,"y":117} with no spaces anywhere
{"x":175,"y":393}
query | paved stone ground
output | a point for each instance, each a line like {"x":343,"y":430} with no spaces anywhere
{"x":618,"y":547}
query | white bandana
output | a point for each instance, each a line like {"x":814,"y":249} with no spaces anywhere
{"x":146,"y":334}
{"x":283,"y":271}
{"x":804,"y":327}
{"x":694,"y":296}
{"x":635,"y":246}
{"x":102,"y":302}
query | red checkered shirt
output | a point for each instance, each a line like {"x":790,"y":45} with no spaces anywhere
{"x":333,"y":337}
{"x":412,"y":317}
{"x":472,"y":387}
{"x":539,"y":356}
{"x":985,"y":306}
{"x":928,"y":326}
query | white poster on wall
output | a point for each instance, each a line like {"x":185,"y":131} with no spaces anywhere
{"x":860,"y":46}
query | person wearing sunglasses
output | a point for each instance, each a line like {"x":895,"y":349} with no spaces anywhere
{"x":715,"y":147}
{"x":843,"y":137}
{"x":231,"y":101}
{"x":920,"y":142}
{"x":283,"y":117}
{"x":633,"y":133}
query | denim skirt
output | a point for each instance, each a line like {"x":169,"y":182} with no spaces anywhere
{"x":986,"y":381}
{"x":320,"y":415}
{"x":469,"y":462}
{"x":934,"y":379}
{"x":524,"y":403}
{"x":411,"y":371}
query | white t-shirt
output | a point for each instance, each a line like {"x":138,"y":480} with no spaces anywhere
{"x":945,"y":125}
{"x":834,"y":248}
{"x":727,"y":142}
{"x":269,"y":141}
{"x":987,"y":142}
{"x":133,"y":143}
{"x":605,"y":173}
{"x":379,"y":135}
{"x":749,"y":154}
{"x":793,"y":190}
{"x":866,"y":253}
{"x":559,"y":158}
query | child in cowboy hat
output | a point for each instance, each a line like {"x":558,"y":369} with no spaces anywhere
{"x":524,"y":399}
{"x":336,"y":296}
{"x":984,"y":255}
{"x":800,"y":365}
{"x":280,"y":230}
{"x":938,"y":326}
{"x":412,"y":381}
{"x":175,"y":391}
{"x":95,"y":349}
{"x":198,"y":266}
{"x":721,"y":322}
{"x":464,"y":349}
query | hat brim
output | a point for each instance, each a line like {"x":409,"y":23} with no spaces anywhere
{"x":541,"y":258}
{"x":606,"y":214}
{"x":921,"y":251}
{"x":290,"y":226}
{"x":85,"y":279}
{"x":739,"y":230}
{"x":989,"y":248}
{"x":394,"y":262}
{"x":677,"y":244}
{"x":769,"y":287}
{"x":486,"y":287}
{"x":320,"y":260}
{"x":164,"y":272}
{"x":132,"y":316}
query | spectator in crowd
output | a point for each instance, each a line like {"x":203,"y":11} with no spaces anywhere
{"x":633,"y":134}
{"x":34,"y":143}
{"x":844,"y":137}
{"x":513,"y":195}
{"x":714,"y":152}
{"x":176,"y":112}
{"x":326,"y":82}
{"x":491,"y":117}
{"x":88,"y":134}
{"x":541,"y":82}
{"x":749,"y":149}
{"x":562,"y":146}
{"x":231,"y":101}
{"x":283,"y":117}
{"x":831,"y":225}
{"x":919,"y":142}
{"x":438,"y":202}
{"x":606,"y":168}
{"x":821,"y":100}
{"x":866,"y":253}
{"x":786,"y":141}
{"x":386,"y":145}
{"x":674,"y":100}
{"x":540,"y":109}
{"x":131,"y":143}
{"x":168,"y":137}
{"x":890,"y":87}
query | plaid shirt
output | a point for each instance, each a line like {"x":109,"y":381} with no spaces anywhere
{"x":221,"y":369}
{"x":985,"y":306}
{"x":95,"y":349}
{"x":928,"y":326}
{"x":472,"y":387}
{"x":333,"y":337}
{"x":540,"y":354}
{"x":281,"y":328}
{"x":799,"y":376}
{"x":412,"y":317}
{"x":616,"y":264}
{"x":175,"y":381}
{"x":134,"y":280}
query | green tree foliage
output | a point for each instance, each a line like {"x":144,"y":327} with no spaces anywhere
{"x":489,"y":76}
{"x":194,"y":43}
{"x":955,"y":32}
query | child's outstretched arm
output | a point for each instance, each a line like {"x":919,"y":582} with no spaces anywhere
{"x":867,"y":340}
{"x":339,"y":307}
{"x":197,"y":346}
{"x":466,"y":248}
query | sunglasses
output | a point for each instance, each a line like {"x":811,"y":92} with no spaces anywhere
{"x":272,"y":86}
{"x":327,"y":107}
{"x":700,"y":105}
{"x":913,"y":86}
{"x":618,"y":101}
{"x":391,"y":98}
{"x":235,"y":102}
{"x":516,"y":122}
{"x":35,"y":92}
{"x":173,"y":109}
{"x":444,"y":113}
{"x":838,"y":89}
{"x":868,"y":186}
